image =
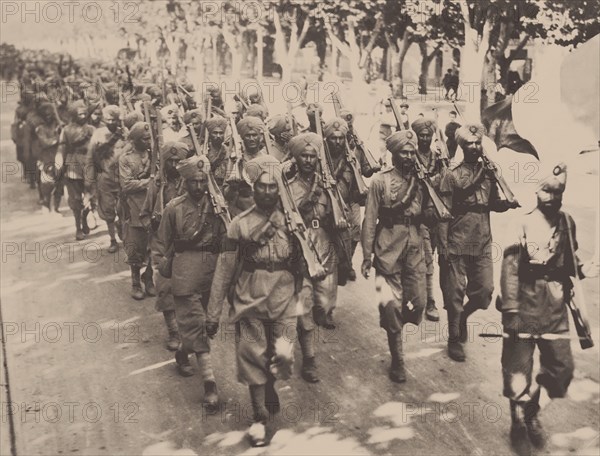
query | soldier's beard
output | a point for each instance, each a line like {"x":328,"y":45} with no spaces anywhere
{"x":550,"y":208}
{"x":266,"y":203}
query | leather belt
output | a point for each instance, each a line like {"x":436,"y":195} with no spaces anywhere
{"x":250,"y":266}
{"x":183,"y":246}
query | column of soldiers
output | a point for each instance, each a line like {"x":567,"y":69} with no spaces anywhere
{"x":255,"y":212}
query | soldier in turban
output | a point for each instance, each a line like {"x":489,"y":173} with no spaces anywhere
{"x":186,"y":251}
{"x":195,"y":118}
{"x":218,"y":149}
{"x":281,"y":130}
{"x":466,"y":266}
{"x":534,"y":286}
{"x":391,"y":232}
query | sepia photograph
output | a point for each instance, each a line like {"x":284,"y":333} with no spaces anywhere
{"x":300,"y":227}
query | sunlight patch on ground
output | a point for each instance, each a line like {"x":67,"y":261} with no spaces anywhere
{"x":570,"y":439}
{"x":584,"y":390}
{"x":422,"y":353}
{"x":443,"y":397}
{"x":164,"y":448}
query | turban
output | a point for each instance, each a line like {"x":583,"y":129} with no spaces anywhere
{"x":278,"y":124}
{"x":468,"y":133}
{"x":298,"y":144}
{"x":422,"y":124}
{"x":188,"y":116}
{"x":174,"y":149}
{"x":132,"y":118}
{"x":247,"y":124}
{"x":404,"y":105}
{"x":256,"y":110}
{"x":193,"y":167}
{"x":335,"y":124}
{"x":556,"y":181}
{"x":346,"y":115}
{"x":169,"y":110}
{"x":138,"y":130}
{"x":216,"y":122}
{"x":260,"y":165}
{"x":76,"y":106}
{"x":398,"y":140}
{"x":111,"y":112}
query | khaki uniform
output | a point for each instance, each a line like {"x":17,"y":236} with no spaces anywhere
{"x":47,"y":140}
{"x":239,"y":195}
{"x":393,"y":235}
{"x":535,"y":285}
{"x":263,"y":301}
{"x":315,"y":207}
{"x":134,"y":177}
{"x":191,"y":233}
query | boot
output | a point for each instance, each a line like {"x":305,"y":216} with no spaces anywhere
{"x":463,"y":327}
{"x":114,"y":246}
{"x":518,"y":430}
{"x":352,"y":272}
{"x":113,"y":241}
{"x":329,"y":322}
{"x":319,"y":316}
{"x":79,"y":235}
{"x":309,"y":370}
{"x":397,"y":373}
{"x":84,"y":224}
{"x":184,"y":367}
{"x":455,"y":348}
{"x":148,"y":282}
{"x":136,"y":286}
{"x":307,"y":346}
{"x":271,"y":397}
{"x":431,"y":312}
{"x":56,"y":205}
{"x":257,"y":432}
{"x":536,"y":433}
{"x":211,"y":398}
{"x":172,"y":342}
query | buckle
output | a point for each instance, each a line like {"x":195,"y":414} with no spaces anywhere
{"x":315,"y":224}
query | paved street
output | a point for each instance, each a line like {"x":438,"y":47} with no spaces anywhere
{"x":89,"y":374}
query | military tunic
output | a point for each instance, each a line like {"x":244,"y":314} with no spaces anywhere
{"x":263,"y":302}
{"x":535,"y":285}
{"x":392,"y":233}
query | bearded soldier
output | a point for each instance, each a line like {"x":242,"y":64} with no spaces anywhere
{"x":535,"y":284}
{"x":281,"y":130}
{"x":316,"y":209}
{"x":71,"y":158}
{"x":102,"y":175}
{"x":218,"y":151}
{"x":391,"y":232}
{"x":195,"y":118}
{"x":434,"y":166}
{"x":470,"y":193}
{"x":263,"y":298}
{"x":158,"y":195}
{"x":187,"y":247}
{"x":134,"y":177}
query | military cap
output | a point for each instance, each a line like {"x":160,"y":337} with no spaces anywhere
{"x":174,"y":149}
{"x":138,"y":130}
{"x":193,"y":167}
{"x":399,"y":139}
{"x":422,"y":124}
{"x":335,"y":124}
{"x":247,"y":124}
{"x":469,"y":133}
{"x":298,"y":144}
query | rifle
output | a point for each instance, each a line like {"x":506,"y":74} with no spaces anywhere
{"x":240,"y":99}
{"x":373,"y":165}
{"x":340,"y":209}
{"x":149,"y":118}
{"x":216,"y":197}
{"x":576,"y":301}
{"x":441,"y":211}
{"x":130,"y":87}
{"x":492,"y":168}
{"x":291,"y":119}
{"x":122,"y":109}
{"x":235,"y":157}
{"x":296,"y":225}
{"x":61,"y":124}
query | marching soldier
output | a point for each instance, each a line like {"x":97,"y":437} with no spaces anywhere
{"x":218,"y":151}
{"x":315,"y":207}
{"x":391,"y":232}
{"x":281,"y":130}
{"x":434,"y":167}
{"x":172,"y":131}
{"x":134,"y":177}
{"x":196,"y":119}
{"x":187,"y":247}
{"x":535,"y":284}
{"x":263,"y":299}
{"x":47,"y":135}
{"x":256,"y":110}
{"x":102,"y":170}
{"x":470,"y":193}
{"x":71,"y":158}
{"x":150,"y":216}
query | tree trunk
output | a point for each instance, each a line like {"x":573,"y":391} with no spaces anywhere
{"x":259,"y":52}
{"x":425,"y":62}
{"x":406,"y":42}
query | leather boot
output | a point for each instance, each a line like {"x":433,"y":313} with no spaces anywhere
{"x":148,"y":282}
{"x":79,"y":236}
{"x":455,"y":348}
{"x":397,"y":373}
{"x":84,"y":224}
{"x":271,"y":397}
{"x":172,"y":342}
{"x":431,"y":312}
{"x":136,"y":285}
{"x":309,"y":370}
{"x":257,"y":431}
{"x":518,"y":430}
{"x":56,"y":205}
{"x":536,"y":433}
{"x":306,"y":340}
{"x":184,"y":367}
{"x":463,"y":327}
{"x":211,"y":397}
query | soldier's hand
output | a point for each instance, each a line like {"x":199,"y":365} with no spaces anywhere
{"x":343,"y":225}
{"x":211,"y":328}
{"x":590,"y":269}
{"x":365,"y":268}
